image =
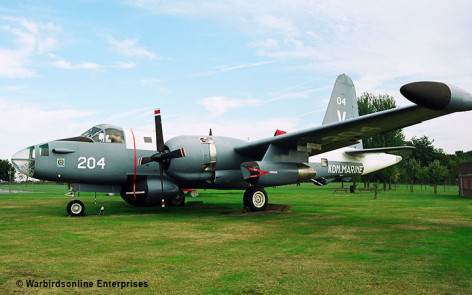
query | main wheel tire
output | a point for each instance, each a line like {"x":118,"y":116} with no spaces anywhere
{"x":179,"y":200}
{"x":255,"y":198}
{"x":75,"y":208}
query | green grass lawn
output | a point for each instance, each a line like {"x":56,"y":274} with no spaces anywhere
{"x":331,"y":243}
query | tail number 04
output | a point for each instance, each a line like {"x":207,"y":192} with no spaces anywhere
{"x":90,"y":163}
{"x":341,"y":100}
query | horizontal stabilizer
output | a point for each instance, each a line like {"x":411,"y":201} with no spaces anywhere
{"x":358,"y":152}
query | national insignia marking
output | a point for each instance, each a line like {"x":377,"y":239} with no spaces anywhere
{"x":61,"y":162}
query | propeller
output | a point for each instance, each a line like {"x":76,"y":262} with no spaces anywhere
{"x":162,"y":155}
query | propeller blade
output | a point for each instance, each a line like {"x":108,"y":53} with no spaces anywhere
{"x":144,"y":161}
{"x":161,"y":157}
{"x":159,"y":135}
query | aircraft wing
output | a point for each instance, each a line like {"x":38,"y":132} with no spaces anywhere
{"x":433,"y":99}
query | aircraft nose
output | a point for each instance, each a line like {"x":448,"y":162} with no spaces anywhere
{"x":398,"y":159}
{"x":24,"y":160}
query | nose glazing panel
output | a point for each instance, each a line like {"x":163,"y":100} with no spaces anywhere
{"x":24,"y":160}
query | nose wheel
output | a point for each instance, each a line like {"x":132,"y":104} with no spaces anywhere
{"x":75,"y":208}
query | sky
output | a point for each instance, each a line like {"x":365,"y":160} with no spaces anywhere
{"x":243,"y":68}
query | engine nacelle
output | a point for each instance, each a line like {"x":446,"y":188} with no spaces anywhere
{"x":205,"y":156}
{"x":267,"y":173}
{"x":148,"y":191}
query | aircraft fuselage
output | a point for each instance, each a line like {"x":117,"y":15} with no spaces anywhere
{"x":102,"y":165}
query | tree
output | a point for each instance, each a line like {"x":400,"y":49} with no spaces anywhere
{"x":411,"y":170}
{"x":367,"y":104}
{"x":453,"y":164}
{"x":376,"y":190}
{"x":424,"y":150}
{"x":5,"y":166}
{"x":436,"y":173}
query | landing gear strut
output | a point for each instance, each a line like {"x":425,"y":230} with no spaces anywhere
{"x":255,"y":198}
{"x":75,"y":207}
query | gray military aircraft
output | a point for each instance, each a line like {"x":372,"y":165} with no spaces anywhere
{"x":147,"y":172}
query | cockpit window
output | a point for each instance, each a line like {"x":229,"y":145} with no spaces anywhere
{"x":44,"y":150}
{"x":114,"y":135}
{"x":105,"y":133}
{"x":94,"y":133}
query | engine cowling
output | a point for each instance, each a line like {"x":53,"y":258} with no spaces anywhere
{"x":199,"y":163}
{"x":147,"y":191}
{"x":205,"y":156}
{"x":267,"y":173}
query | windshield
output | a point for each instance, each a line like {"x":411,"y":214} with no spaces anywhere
{"x":94,"y":133}
{"x":105,"y":133}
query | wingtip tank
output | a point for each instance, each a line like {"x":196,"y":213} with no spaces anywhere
{"x":437,"y":96}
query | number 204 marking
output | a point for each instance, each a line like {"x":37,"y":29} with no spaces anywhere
{"x":90,"y":163}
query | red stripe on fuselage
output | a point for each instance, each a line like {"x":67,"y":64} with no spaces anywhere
{"x":135,"y":166}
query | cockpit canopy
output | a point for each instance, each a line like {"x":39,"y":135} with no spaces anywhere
{"x":105,"y":133}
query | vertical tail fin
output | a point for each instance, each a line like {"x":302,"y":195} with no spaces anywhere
{"x":343,"y":102}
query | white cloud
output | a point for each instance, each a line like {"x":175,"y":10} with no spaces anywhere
{"x":13,"y":64}
{"x":134,"y":113}
{"x":61,"y":63}
{"x":218,"y":105}
{"x":130,"y":48}
{"x":226,"y":68}
{"x":307,"y":93}
{"x":123,"y":65}
{"x":31,"y":39}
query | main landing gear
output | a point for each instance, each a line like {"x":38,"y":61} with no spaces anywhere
{"x":255,"y":198}
{"x":179,"y":200}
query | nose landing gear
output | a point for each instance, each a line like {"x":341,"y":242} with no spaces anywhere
{"x":75,"y":208}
